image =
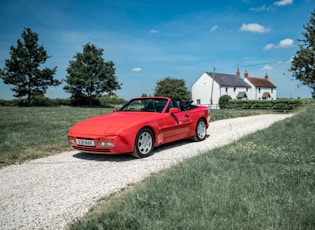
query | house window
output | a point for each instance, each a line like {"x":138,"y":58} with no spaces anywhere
{"x":226,"y":90}
{"x":271,"y":90}
{"x":234,"y":89}
{"x":198,"y":101}
{"x":246,"y":89}
{"x":259,"y":90}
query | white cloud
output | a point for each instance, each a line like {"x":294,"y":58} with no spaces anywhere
{"x":285,"y":43}
{"x":136,"y":69}
{"x":262,"y":8}
{"x":267,"y":67}
{"x":272,"y":7}
{"x":283,"y":2}
{"x":290,"y":60}
{"x":154,"y":31}
{"x":269,"y":46}
{"x":214,"y":28}
{"x":254,"y":27}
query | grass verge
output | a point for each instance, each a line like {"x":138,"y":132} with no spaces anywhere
{"x":263,"y":181}
{"x":32,"y":132}
{"x":220,"y":114}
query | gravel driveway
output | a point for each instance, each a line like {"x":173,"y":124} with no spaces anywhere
{"x":50,"y":192}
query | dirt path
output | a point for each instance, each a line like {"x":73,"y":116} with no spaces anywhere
{"x":50,"y":192}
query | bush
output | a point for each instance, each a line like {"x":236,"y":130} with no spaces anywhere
{"x":84,"y":101}
{"x":60,"y":102}
{"x":104,"y":101}
{"x":223,"y":101}
{"x":36,"y":101}
{"x":111,"y":100}
{"x":8,"y":102}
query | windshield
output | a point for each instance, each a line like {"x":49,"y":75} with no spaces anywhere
{"x":145,"y":105}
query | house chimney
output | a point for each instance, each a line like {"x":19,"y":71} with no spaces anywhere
{"x":238,"y":73}
{"x":266,"y":76}
{"x":246,"y":74}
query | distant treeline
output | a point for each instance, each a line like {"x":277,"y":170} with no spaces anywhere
{"x":103,"y":101}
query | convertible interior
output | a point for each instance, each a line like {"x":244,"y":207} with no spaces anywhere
{"x":183,"y":105}
{"x":156,"y":105}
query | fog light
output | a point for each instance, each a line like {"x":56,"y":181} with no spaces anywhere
{"x":71,"y":140}
{"x":106,"y":144}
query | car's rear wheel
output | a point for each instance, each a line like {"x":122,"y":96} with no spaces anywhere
{"x":201,"y":130}
{"x":144,"y":143}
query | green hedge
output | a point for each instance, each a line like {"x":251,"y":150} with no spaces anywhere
{"x":280,"y":104}
{"x":101,"y":101}
{"x":41,"y":101}
{"x":104,"y":101}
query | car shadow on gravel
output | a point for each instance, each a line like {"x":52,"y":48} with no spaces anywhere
{"x":174,"y":144}
{"x":128,"y":157}
{"x":103,"y":157}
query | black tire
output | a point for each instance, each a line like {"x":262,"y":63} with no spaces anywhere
{"x":144,"y":143}
{"x":200,"y":131}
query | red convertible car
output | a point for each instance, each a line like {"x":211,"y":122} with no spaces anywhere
{"x":139,"y":126}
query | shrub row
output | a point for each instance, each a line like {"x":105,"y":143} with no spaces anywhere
{"x":103,"y":101}
{"x":279,"y":104}
{"x":44,"y":101}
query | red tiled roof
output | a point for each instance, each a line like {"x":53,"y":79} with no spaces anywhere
{"x":261,"y":82}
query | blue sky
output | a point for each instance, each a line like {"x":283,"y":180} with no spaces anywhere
{"x":151,"y":40}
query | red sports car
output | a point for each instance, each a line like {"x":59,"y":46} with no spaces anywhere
{"x":139,"y":126}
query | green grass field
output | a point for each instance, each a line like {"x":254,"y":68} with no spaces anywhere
{"x":32,"y":132}
{"x":264,"y":181}
{"x":29,"y":133}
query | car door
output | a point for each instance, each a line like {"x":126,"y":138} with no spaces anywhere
{"x":175,"y":125}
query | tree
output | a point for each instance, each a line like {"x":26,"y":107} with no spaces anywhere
{"x":23,"y":69}
{"x":173,"y":88}
{"x":90,"y":76}
{"x":303,"y":63}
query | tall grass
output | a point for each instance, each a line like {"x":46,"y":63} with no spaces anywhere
{"x":264,"y":181}
{"x":32,"y":132}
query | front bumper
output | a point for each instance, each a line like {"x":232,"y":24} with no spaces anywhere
{"x":119,"y":145}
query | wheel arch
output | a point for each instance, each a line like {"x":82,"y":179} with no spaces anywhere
{"x":138,"y":151}
{"x":195,"y":137}
{"x":202,"y":118}
{"x":206,"y":120}
{"x":152,"y":130}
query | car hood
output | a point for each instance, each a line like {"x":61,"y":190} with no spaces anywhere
{"x":110,"y":123}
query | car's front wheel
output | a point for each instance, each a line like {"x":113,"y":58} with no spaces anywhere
{"x":144,"y":143}
{"x":201,"y":130}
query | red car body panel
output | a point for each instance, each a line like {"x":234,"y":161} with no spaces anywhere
{"x":119,"y":129}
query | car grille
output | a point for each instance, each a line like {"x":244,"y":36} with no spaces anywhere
{"x":91,"y":149}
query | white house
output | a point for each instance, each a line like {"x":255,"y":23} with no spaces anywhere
{"x":211,"y":86}
{"x":261,"y":88}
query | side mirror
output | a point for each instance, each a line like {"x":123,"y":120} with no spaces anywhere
{"x":173,"y":110}
{"x":114,"y":110}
